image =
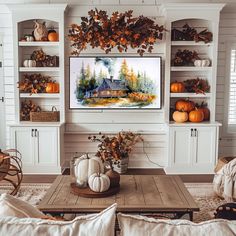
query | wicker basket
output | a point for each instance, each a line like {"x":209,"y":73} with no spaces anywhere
{"x":45,"y":116}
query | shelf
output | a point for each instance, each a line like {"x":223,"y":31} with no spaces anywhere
{"x":37,"y":124}
{"x":39,"y":69}
{"x":40,"y":95}
{"x":190,"y":68}
{"x":190,"y":124}
{"x":38,"y":44}
{"x":190,"y":95}
{"x":189,"y":43}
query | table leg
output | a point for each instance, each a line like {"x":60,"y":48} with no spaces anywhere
{"x":190,"y":216}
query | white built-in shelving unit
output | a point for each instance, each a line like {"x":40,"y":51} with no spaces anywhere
{"x":193,"y":147}
{"x":41,"y":143}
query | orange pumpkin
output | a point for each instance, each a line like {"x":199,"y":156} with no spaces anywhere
{"x":53,"y":37}
{"x":206,"y":112}
{"x":196,"y":116}
{"x":52,"y":87}
{"x":180,"y":116}
{"x":184,"y":105}
{"x":177,"y":87}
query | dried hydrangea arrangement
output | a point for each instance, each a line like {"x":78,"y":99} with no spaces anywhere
{"x":113,"y":148}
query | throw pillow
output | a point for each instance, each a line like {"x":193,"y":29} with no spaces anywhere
{"x":139,"y":225}
{"x":101,"y":224}
{"x":11,"y":206}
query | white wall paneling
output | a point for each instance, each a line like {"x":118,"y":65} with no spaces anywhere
{"x":82,"y":121}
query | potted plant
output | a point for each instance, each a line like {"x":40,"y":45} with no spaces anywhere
{"x":115,"y":149}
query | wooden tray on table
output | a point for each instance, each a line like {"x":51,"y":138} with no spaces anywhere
{"x":88,"y":193}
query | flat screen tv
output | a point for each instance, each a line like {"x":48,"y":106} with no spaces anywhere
{"x":115,"y":82}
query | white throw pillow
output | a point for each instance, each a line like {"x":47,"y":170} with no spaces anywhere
{"x":101,"y":224}
{"x":139,"y":225}
{"x":11,"y":206}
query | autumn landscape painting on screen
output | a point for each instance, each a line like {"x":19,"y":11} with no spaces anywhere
{"x":106,"y":82}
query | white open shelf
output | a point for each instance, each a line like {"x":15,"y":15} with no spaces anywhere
{"x":38,"y":43}
{"x":39,"y":69}
{"x":190,"y":68}
{"x":40,"y":95}
{"x":190,"y":95}
{"x":189,"y":43}
{"x":39,"y":124}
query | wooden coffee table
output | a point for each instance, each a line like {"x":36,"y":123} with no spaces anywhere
{"x":138,"y":194}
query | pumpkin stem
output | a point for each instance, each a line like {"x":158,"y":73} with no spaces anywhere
{"x":87,"y":155}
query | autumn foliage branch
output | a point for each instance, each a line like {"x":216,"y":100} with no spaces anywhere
{"x":120,"y":30}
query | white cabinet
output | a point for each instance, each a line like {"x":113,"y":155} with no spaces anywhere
{"x":192,"y":150}
{"x":39,"y":147}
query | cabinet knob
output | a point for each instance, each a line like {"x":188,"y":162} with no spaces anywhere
{"x":195,"y":132}
{"x":32,"y":132}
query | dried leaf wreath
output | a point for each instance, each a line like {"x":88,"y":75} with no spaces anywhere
{"x":121,"y":30}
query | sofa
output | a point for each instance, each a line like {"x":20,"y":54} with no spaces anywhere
{"x":22,"y":219}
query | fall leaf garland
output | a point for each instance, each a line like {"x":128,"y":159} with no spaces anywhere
{"x":120,"y":31}
{"x":197,"y":85}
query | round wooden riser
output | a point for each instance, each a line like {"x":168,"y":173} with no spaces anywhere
{"x":87,"y":192}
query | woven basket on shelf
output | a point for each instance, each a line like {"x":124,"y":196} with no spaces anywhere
{"x":45,"y":116}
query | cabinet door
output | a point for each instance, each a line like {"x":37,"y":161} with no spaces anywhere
{"x":180,"y":146}
{"x":23,"y":141}
{"x":205,"y":146}
{"x":47,"y":146}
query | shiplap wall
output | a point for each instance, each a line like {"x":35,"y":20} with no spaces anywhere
{"x":227,"y":33}
{"x":112,"y":121}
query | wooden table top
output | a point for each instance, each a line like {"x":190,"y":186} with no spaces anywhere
{"x":138,"y":193}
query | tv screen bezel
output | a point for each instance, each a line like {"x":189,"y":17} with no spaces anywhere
{"x":117,"y":108}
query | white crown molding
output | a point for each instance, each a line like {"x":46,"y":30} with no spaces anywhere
{"x":48,"y":7}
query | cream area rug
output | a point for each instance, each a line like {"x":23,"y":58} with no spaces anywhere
{"x":202,"y":193}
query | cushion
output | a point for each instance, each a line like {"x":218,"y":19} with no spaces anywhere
{"x":139,"y":225}
{"x":101,"y":224}
{"x":11,"y":206}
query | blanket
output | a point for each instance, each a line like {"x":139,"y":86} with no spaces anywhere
{"x":224,"y":182}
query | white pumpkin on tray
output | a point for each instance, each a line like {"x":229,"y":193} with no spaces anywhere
{"x":85,"y":166}
{"x":99,"y":182}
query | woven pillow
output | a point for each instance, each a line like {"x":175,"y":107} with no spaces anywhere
{"x":11,"y":206}
{"x":139,"y":225}
{"x":101,"y":224}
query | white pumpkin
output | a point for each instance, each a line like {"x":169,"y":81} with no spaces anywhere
{"x":29,"y":38}
{"x":29,"y":63}
{"x":85,"y":166}
{"x":99,"y":182}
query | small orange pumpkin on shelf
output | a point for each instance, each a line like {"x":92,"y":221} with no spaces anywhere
{"x":177,"y":87}
{"x":52,"y":87}
{"x":180,"y":116}
{"x":184,"y":105}
{"x":196,"y":116}
{"x":205,"y":111}
{"x":53,"y":36}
